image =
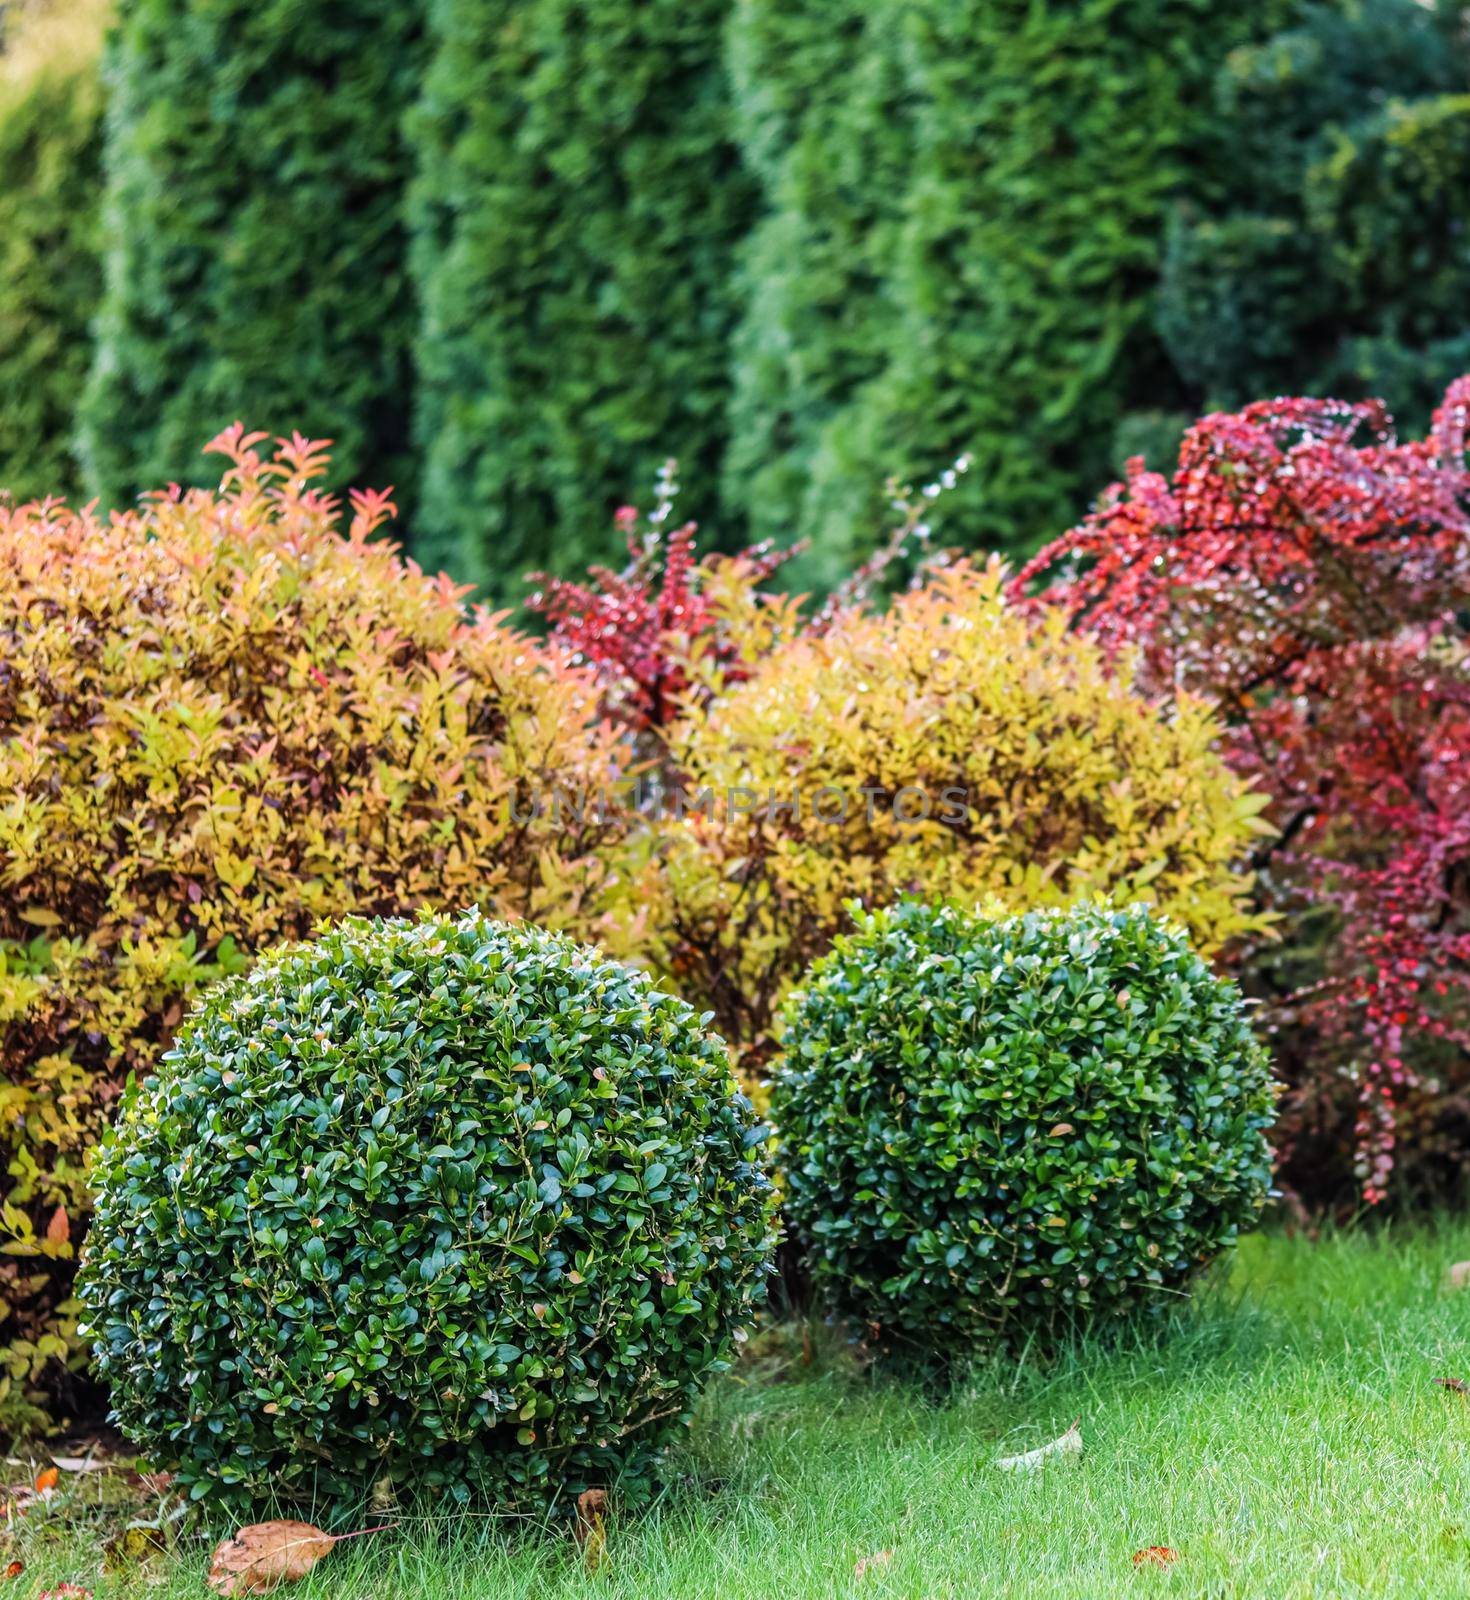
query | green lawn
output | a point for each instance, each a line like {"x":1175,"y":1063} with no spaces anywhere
{"x":1283,"y":1435}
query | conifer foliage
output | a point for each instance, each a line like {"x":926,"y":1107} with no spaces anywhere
{"x":578,"y":208}
{"x":256,"y":257}
{"x":50,"y":271}
{"x":824,"y":114}
{"x":1322,"y":249}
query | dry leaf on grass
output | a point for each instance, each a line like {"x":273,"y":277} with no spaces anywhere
{"x":872,"y":1563}
{"x":264,"y":1555}
{"x":1156,"y":1555}
{"x":1070,"y":1444}
{"x":590,"y":1528}
{"x":79,"y":1463}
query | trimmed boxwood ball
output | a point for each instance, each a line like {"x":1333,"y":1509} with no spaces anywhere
{"x":451,"y":1202}
{"x":1000,"y":1125}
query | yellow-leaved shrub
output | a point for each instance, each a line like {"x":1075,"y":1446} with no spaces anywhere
{"x":1046,"y":776}
{"x":223,"y":717}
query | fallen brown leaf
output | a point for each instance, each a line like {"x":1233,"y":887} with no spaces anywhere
{"x":590,"y":1528}
{"x":1156,"y":1555}
{"x":872,"y":1563}
{"x":264,"y":1555}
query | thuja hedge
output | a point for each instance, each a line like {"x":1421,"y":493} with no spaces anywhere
{"x":800,"y":247}
{"x":578,"y":204}
{"x":256,"y":260}
{"x":1321,"y":249}
{"x":967,"y":221}
{"x":824,"y":110}
{"x":50,"y":257}
{"x":462,"y":1206}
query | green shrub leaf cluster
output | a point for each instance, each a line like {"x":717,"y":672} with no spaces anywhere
{"x":452,"y":1202}
{"x":993,"y":1124}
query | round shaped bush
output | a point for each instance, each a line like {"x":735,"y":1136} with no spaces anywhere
{"x":457,"y":1203}
{"x":993,"y":1124}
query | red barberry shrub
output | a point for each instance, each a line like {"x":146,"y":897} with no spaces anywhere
{"x":674,"y":628}
{"x":670,"y":621}
{"x":1311,"y":574}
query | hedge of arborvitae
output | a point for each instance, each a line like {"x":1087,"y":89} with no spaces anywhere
{"x":579,"y":204}
{"x":1325,"y":252}
{"x":256,"y":262}
{"x":1049,"y":144}
{"x":510,"y":256}
{"x":50,"y":271}
{"x":825,"y":119}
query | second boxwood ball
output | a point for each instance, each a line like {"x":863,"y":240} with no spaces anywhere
{"x":457,"y":1204}
{"x":995,"y":1124}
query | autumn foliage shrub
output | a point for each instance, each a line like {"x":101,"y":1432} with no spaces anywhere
{"x":223,"y":717}
{"x":992,"y":1125}
{"x":672,"y":622}
{"x":948,"y":748}
{"x":1308,"y":572}
{"x":451,"y":1202}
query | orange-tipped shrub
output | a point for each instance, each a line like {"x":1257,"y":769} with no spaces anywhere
{"x":222,"y":718}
